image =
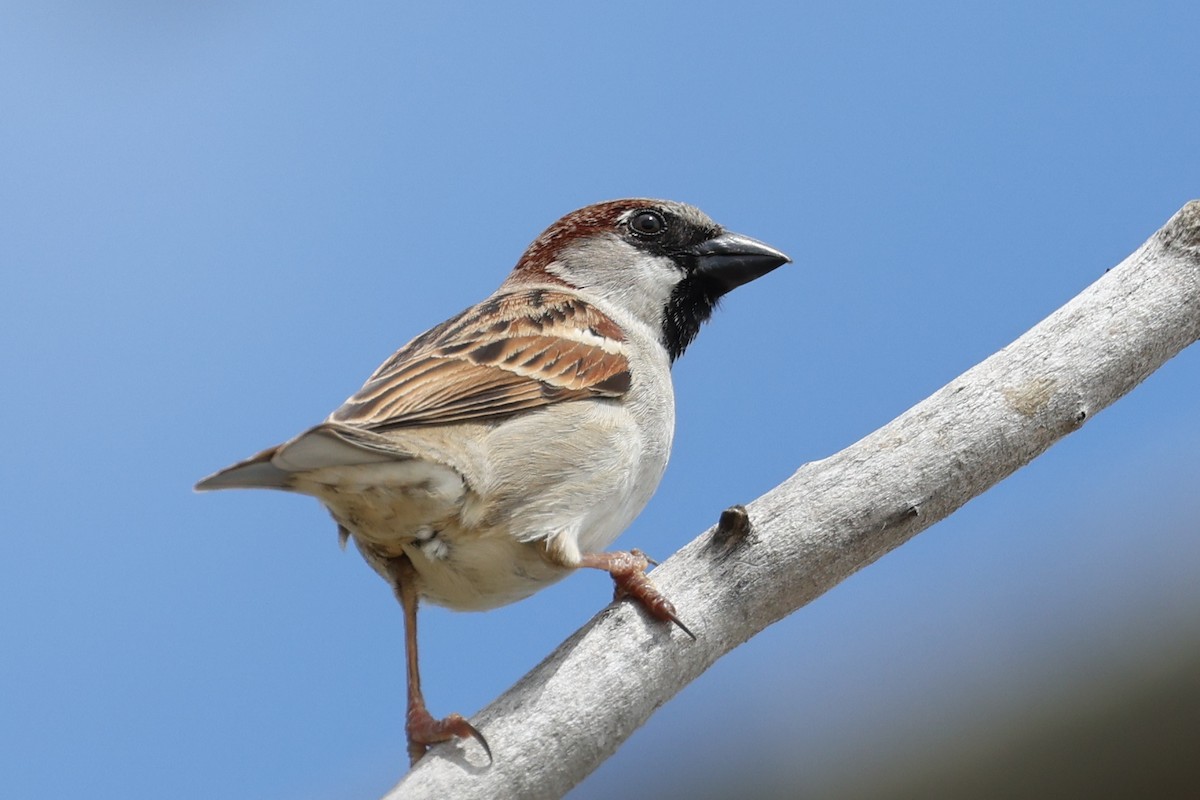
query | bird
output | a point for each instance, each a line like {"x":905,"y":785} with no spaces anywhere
{"x":508,"y":446}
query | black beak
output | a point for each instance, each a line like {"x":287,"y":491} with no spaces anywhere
{"x":729,"y":260}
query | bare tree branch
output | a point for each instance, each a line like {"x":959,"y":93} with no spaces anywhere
{"x":829,"y":519}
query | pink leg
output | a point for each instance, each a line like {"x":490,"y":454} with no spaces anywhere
{"x":421,"y":728}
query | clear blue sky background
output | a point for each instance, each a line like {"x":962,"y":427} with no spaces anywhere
{"x":216,"y":219}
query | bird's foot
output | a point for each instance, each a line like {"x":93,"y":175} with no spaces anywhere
{"x":423,"y":730}
{"x":628,"y":571}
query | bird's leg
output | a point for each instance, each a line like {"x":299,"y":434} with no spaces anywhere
{"x":628,"y":571}
{"x":420,"y":727}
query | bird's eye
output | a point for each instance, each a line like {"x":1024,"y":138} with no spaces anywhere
{"x":647,"y":223}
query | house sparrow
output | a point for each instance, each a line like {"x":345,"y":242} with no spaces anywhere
{"x":504,"y":448}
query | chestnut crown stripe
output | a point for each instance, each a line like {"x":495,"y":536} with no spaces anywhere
{"x":513,"y":352}
{"x":583,"y":223}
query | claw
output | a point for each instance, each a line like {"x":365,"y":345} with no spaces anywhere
{"x":477,"y":736}
{"x":423,"y":730}
{"x":682,"y":627}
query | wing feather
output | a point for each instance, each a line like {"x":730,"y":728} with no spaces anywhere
{"x":513,"y":352}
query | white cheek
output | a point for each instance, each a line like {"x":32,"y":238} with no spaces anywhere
{"x":646,"y":299}
{"x":621,"y":275}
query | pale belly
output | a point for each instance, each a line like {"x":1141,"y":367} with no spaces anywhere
{"x":517,"y":524}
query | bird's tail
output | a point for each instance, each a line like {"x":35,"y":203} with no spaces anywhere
{"x":256,"y":472}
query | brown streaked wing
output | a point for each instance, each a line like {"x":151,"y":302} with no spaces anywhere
{"x":513,"y":352}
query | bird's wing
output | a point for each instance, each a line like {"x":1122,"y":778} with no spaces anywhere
{"x":513,"y":352}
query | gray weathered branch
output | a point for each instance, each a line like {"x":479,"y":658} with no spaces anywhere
{"x":829,"y":519}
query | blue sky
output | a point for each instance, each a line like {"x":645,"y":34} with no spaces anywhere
{"x":216,"y":219}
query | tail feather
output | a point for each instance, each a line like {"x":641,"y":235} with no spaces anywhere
{"x":273,"y":468}
{"x":256,"y":472}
